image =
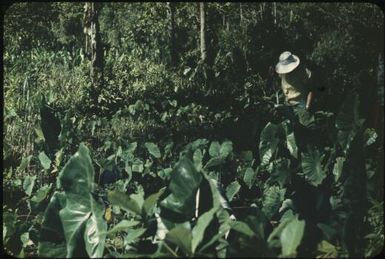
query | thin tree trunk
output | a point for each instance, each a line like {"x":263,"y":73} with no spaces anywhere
{"x":380,"y":127}
{"x":240,"y":15}
{"x":275,"y":12}
{"x":202,"y":8}
{"x":93,"y":43}
{"x":173,"y":54}
{"x":268,"y":13}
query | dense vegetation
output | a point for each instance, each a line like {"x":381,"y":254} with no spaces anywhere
{"x":133,"y":150}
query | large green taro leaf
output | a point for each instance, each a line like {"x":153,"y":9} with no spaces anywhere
{"x":291,"y":237}
{"x":312,"y":167}
{"x":205,"y":219}
{"x":77,"y":176}
{"x":82,"y":217}
{"x":290,"y":234}
{"x":272,"y":200}
{"x":348,"y":122}
{"x":181,"y":236}
{"x":185,"y":181}
{"x":271,"y":136}
{"x":52,"y":241}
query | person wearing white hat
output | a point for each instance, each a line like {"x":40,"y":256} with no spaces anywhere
{"x":295,"y":80}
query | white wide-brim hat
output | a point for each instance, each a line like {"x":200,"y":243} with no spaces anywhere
{"x":287,"y":63}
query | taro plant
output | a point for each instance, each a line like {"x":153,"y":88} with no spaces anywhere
{"x":73,"y":223}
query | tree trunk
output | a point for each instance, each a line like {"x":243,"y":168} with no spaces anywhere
{"x":94,"y":46}
{"x":380,"y":127}
{"x":240,"y":15}
{"x":275,"y":12}
{"x":202,"y":8}
{"x":173,"y":53}
{"x":268,"y":13}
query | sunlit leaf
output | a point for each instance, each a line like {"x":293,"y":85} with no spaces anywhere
{"x":153,"y":149}
{"x":151,"y":201}
{"x":269,"y":140}
{"x":226,"y":149}
{"x":28,"y":183}
{"x":214,"y":149}
{"x":272,"y":199}
{"x":242,"y":227}
{"x":291,"y":237}
{"x":133,"y":234}
{"x":312,"y":166}
{"x":199,"y":229}
{"x":182,"y":237}
{"x":44,"y":160}
{"x":124,"y":225}
{"x":41,"y":194}
{"x":52,"y":241}
{"x":185,"y":181}
{"x":232,"y":189}
{"x":137,"y":166}
{"x":124,"y":201}
{"x":82,"y":215}
{"x":337,"y":170}
{"x":250,"y":176}
{"x":24,"y":163}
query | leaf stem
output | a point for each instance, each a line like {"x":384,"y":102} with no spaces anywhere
{"x":170,"y":250}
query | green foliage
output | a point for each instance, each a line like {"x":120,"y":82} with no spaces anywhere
{"x":312,"y":166}
{"x":191,"y":144}
{"x":44,"y":160}
{"x":185,"y":181}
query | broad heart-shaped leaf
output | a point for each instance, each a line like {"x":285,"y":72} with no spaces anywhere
{"x":272,"y":199}
{"x":182,"y":237}
{"x":205,"y":219}
{"x":337,"y":170}
{"x":291,"y":237}
{"x":197,"y":158}
{"x":223,"y":150}
{"x":44,"y":160}
{"x":292,"y":145}
{"x":348,"y":121}
{"x":77,"y":176}
{"x":42,"y":193}
{"x":279,"y":171}
{"x":226,"y":149}
{"x":82,"y":217}
{"x":28,"y":183}
{"x":232,"y":189}
{"x":52,"y":242}
{"x":153,"y":149}
{"x":271,"y":136}
{"x":250,"y":176}
{"x":123,"y":225}
{"x":199,"y":229}
{"x":312,"y":166}
{"x":94,"y":236}
{"x":214,"y":161}
{"x":242,"y":227}
{"x":151,"y":200}
{"x":214,"y":149}
{"x":185,"y":181}
{"x":24,"y":163}
{"x":132,"y":203}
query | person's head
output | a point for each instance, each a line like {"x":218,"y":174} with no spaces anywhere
{"x":287,"y":63}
